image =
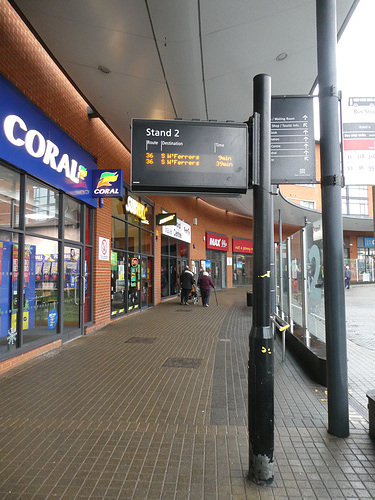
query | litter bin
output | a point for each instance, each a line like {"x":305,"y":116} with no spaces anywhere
{"x":250,"y":298}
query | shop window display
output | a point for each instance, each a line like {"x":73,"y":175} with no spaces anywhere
{"x":134,"y":281}
{"x":242,"y":269}
{"x":36,"y":302}
{"x":40,"y":288}
{"x":132,"y":259}
{"x":118,"y":288}
{"x":8,"y":291}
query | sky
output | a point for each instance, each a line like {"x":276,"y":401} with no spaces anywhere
{"x":356,"y":78}
{"x":355,"y":53}
{"x":355,"y":58}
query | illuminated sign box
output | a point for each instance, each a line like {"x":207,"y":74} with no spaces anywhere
{"x":107,"y":183}
{"x":30,"y":140}
{"x":217,"y":242}
{"x":184,"y":157}
{"x":166,"y":219}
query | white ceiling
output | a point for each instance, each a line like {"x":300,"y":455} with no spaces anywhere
{"x":189,"y":59}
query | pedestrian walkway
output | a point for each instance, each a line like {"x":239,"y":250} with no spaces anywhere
{"x":155,"y":407}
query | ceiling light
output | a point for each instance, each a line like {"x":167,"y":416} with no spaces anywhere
{"x":282,"y":56}
{"x":104,"y":69}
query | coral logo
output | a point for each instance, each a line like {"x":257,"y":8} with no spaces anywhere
{"x":82,"y":173}
{"x":107,"y":183}
{"x":107,"y":178}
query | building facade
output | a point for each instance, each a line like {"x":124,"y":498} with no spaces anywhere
{"x":70,"y":263}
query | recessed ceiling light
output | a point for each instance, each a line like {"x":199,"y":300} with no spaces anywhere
{"x":104,"y":69}
{"x":281,"y":56}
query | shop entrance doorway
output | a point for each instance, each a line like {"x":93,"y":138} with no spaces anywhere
{"x":146,"y":282}
{"x":216,"y":273}
{"x":74,"y":287}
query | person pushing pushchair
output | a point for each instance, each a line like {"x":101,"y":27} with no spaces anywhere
{"x":187,"y":282}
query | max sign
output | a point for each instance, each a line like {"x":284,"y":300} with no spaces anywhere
{"x":216,"y":242}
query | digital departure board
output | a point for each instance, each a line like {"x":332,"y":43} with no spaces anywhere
{"x":188,"y":157}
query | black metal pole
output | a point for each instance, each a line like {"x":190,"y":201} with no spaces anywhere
{"x":261,"y":357}
{"x":334,"y":292}
{"x":272,"y":261}
{"x":281,"y":278}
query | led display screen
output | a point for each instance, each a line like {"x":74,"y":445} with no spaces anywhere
{"x":187,"y":157}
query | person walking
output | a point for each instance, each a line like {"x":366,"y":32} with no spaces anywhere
{"x":205,"y":284}
{"x":187,"y":282}
{"x":348,"y":275}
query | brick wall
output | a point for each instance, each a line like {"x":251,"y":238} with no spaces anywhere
{"x":28,"y":66}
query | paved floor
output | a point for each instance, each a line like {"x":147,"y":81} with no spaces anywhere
{"x":154,"y":407}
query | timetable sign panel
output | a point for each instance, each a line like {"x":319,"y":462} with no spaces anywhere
{"x":359,"y":141}
{"x":292,"y":141}
{"x":188,"y":157}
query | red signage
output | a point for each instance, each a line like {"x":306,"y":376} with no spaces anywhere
{"x":217,"y":242}
{"x":359,"y":144}
{"x":242,"y":246}
{"x":15,"y":263}
{"x":27,"y":266}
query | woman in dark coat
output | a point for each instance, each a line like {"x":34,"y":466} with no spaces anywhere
{"x":187,"y":282}
{"x":205,"y":285}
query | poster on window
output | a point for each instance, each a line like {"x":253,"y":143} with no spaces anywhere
{"x":104,"y":249}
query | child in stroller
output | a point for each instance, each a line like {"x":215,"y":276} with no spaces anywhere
{"x":194,"y":295}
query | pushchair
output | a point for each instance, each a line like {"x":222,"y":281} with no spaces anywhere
{"x":194,"y":295}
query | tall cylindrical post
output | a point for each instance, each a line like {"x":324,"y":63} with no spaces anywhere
{"x":261,"y":356}
{"x":281,"y":277}
{"x":334,"y":292}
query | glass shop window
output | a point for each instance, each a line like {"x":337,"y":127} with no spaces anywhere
{"x":42,"y":209}
{"x":9,"y":198}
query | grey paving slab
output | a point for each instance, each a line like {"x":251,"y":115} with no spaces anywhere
{"x":155,"y":407}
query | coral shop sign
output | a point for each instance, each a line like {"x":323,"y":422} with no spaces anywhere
{"x":107,"y":183}
{"x":216,"y":242}
{"x":31,"y":141}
